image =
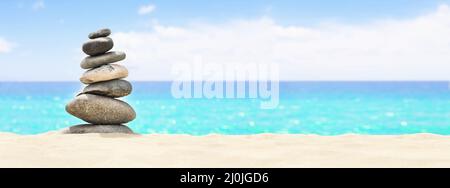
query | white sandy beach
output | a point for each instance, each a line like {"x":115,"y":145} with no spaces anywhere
{"x":96,"y":150}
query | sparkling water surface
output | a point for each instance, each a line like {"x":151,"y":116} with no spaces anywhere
{"x":324,"y":108}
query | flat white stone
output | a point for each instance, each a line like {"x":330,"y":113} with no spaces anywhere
{"x":104,"y":73}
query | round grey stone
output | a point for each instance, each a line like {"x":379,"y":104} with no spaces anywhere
{"x":100,"y":110}
{"x":100,"y":33}
{"x":104,"y":73}
{"x":96,"y":61}
{"x":89,"y":128}
{"x":112,"y":88}
{"x":98,"y":46}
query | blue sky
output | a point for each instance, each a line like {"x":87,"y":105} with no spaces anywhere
{"x":44,"y":35}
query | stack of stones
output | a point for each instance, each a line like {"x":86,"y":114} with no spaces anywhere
{"x":97,"y":103}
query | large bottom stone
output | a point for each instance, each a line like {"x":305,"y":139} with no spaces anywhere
{"x":89,"y":128}
{"x":99,"y":110}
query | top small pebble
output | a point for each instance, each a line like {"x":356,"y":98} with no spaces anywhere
{"x":100,"y":33}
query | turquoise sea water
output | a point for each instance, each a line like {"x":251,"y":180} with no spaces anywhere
{"x":324,"y":108}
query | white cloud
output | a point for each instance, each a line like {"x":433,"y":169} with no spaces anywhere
{"x":5,"y":46}
{"x":38,"y":5}
{"x":146,"y":9}
{"x":411,"y":49}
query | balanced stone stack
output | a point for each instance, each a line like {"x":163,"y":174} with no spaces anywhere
{"x":97,"y":103}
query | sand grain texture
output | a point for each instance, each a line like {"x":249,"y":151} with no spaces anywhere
{"x":115,"y":150}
